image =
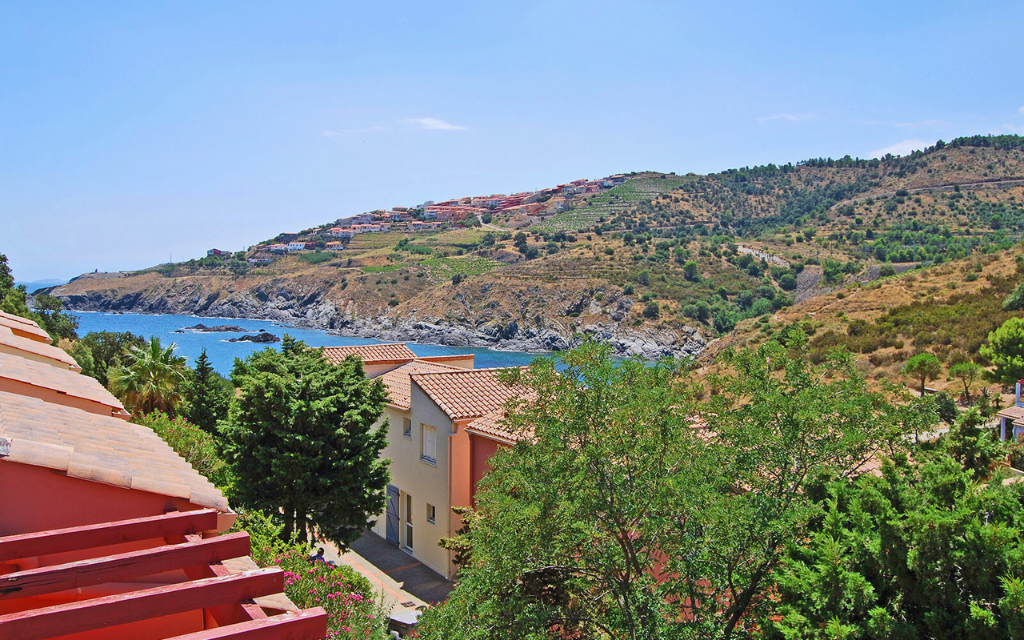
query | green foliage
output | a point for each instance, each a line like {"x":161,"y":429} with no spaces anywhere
{"x":53,"y":320}
{"x":13,"y":299}
{"x":1015,"y":301}
{"x":787,"y":281}
{"x":346,"y":595}
{"x":151,"y":378}
{"x":651,"y":310}
{"x":444,"y":268}
{"x":301,"y":437}
{"x":196,"y":446}
{"x":973,"y":446}
{"x":690,"y":271}
{"x":922,"y":552}
{"x":1005,"y":349}
{"x":106,"y":350}
{"x":6,"y":277}
{"x":206,"y":395}
{"x":924,"y":367}
{"x":316,"y":257}
{"x":617,"y":485}
{"x":966,"y":373}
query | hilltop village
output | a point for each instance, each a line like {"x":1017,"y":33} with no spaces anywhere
{"x":428,"y":216}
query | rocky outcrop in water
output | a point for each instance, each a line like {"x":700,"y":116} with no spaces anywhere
{"x":217,"y":328}
{"x":262,"y":337}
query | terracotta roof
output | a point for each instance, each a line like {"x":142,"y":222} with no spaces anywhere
{"x":100,"y":449}
{"x":398,"y":383}
{"x":57,"y":356}
{"x":24,"y":327}
{"x":491,"y":426}
{"x":468,"y":393}
{"x":459,"y":357}
{"x":371,"y":353}
{"x":63,"y":381}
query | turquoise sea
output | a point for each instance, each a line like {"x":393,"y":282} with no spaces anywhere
{"x":222,"y":353}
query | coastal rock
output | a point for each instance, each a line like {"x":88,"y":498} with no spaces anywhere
{"x":506,"y":326}
{"x":262,"y":337}
{"x":225,"y":328}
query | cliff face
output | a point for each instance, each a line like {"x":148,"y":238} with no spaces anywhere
{"x":489,"y":312}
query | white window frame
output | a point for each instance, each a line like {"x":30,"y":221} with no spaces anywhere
{"x":426,"y":454}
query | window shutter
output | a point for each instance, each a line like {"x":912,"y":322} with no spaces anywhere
{"x":429,"y":442}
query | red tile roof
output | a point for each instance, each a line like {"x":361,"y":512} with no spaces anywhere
{"x":400,"y":387}
{"x":100,"y":449}
{"x":371,"y":353}
{"x":492,"y":426}
{"x":57,"y":356}
{"x":17,"y":324}
{"x":468,"y":393}
{"x":60,"y":380}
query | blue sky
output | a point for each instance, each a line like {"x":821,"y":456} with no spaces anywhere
{"x":131,"y":132}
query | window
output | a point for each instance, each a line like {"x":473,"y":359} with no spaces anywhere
{"x":407,"y":428}
{"x":408,"y":521}
{"x":431,"y":513}
{"x":428,"y":445}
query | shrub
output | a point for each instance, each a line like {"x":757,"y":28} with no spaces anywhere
{"x":651,"y":310}
{"x":347,"y":596}
{"x":316,"y":257}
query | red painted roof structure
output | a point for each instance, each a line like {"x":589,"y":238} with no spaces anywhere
{"x":106,"y":532}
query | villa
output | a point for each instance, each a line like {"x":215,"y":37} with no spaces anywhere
{"x":444,"y":425}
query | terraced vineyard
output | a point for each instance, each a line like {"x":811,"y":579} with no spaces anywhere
{"x":609,"y":204}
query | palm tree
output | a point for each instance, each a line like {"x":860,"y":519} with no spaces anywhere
{"x":150,"y":381}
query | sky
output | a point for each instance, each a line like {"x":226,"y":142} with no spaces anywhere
{"x":134,"y":133}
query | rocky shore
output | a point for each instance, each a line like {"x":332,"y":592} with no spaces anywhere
{"x":609,"y":321}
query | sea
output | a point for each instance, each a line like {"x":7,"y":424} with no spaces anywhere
{"x":222,"y":353}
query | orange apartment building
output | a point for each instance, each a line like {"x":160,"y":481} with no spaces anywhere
{"x":443,"y":421}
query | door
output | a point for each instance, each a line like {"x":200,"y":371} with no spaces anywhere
{"x":391,"y":529}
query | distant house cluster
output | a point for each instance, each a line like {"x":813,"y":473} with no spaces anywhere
{"x":428,"y":216}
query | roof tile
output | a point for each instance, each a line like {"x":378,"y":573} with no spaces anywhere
{"x":54,"y":354}
{"x":24,"y":327}
{"x":57,"y":379}
{"x":492,"y":426}
{"x":468,"y":393}
{"x":400,"y":387}
{"x":100,"y":449}
{"x":371,"y":353}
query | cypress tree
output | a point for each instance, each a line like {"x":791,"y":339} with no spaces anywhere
{"x":206,"y":396}
{"x":302,"y":440}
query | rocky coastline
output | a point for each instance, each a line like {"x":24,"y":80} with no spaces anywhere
{"x":539,"y":335}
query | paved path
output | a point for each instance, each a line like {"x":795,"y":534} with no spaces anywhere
{"x":406,"y":583}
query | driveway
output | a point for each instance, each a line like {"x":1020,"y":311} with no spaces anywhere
{"x":413,"y":576}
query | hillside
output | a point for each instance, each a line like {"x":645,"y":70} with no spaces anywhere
{"x":661,"y":264}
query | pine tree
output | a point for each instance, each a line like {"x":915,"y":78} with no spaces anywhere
{"x":302,"y":440}
{"x":205,"y":395}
